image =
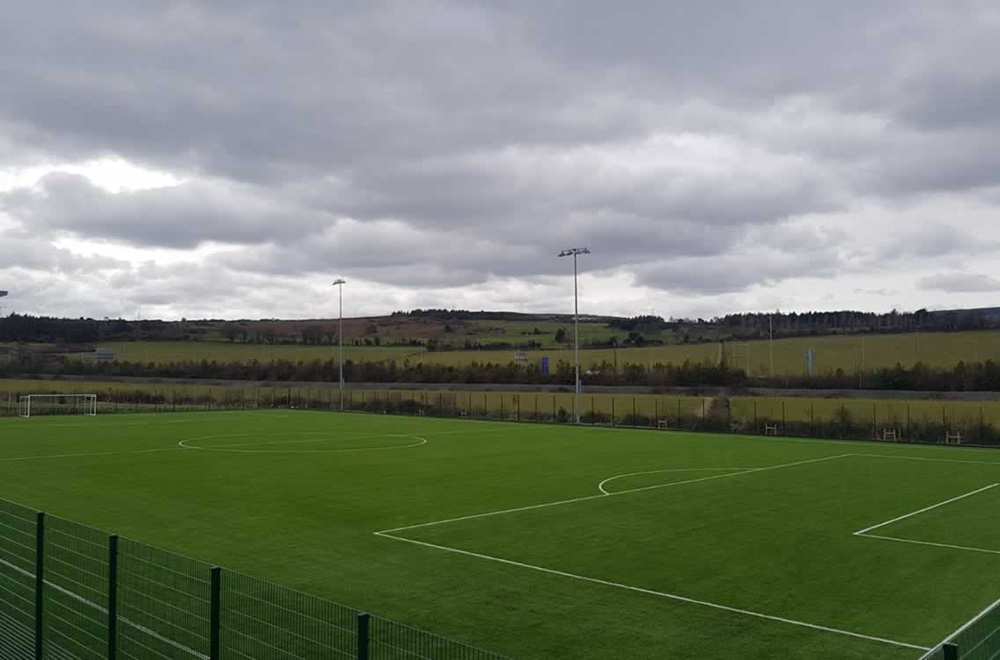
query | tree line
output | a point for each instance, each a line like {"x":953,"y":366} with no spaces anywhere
{"x":963,"y":377}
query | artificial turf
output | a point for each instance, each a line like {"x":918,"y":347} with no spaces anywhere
{"x":708,"y":546}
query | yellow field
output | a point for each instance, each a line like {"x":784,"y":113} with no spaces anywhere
{"x":162,"y":352}
{"x":831,"y":353}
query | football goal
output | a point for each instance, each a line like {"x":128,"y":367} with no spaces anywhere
{"x":35,"y":405}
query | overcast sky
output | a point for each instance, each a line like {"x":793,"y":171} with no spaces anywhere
{"x":230,"y":159}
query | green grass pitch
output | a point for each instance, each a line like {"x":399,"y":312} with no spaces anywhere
{"x":542,"y":541}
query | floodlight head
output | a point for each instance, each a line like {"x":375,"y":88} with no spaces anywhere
{"x":2,"y":294}
{"x":573,"y":251}
{"x":339,"y":281}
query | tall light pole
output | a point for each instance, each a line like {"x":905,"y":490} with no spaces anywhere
{"x":575,"y":252}
{"x":340,"y":339}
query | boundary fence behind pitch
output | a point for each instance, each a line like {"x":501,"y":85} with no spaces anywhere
{"x":69,"y":591}
{"x":923,"y":421}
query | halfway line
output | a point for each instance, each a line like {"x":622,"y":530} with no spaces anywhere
{"x":601,"y":495}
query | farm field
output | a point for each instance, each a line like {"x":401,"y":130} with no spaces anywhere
{"x":162,"y":352}
{"x":542,"y":541}
{"x":831,"y":352}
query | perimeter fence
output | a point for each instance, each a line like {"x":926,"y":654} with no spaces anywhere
{"x":979,"y":639}
{"x":922,"y":421}
{"x":68,"y":591}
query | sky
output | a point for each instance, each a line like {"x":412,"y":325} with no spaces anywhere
{"x":231,"y":159}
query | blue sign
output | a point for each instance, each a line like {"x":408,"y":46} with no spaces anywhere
{"x":545,"y":365}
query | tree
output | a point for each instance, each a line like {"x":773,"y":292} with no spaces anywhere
{"x":560,"y":336}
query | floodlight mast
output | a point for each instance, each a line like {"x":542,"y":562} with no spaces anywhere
{"x":340,"y":339}
{"x":575,"y":252}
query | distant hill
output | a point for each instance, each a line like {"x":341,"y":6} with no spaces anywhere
{"x":441,"y":329}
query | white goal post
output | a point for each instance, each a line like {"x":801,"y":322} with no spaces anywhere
{"x":33,"y":405}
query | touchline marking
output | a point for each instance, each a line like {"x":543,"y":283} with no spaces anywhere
{"x":420,"y":442}
{"x":924,"y":510}
{"x":937,"y":460}
{"x":659,"y":594}
{"x":100,"y":453}
{"x":601,"y":495}
{"x":600,"y":486}
{"x":931,"y":543}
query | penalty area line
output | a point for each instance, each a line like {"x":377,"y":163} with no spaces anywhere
{"x":659,"y":594}
{"x":864,"y":531}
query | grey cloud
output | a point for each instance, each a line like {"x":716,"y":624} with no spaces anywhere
{"x":28,"y":254}
{"x":422,"y":145}
{"x":960,"y":283}
{"x":936,"y":240}
{"x":179,"y":216}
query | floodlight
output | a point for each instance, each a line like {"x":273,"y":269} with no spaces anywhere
{"x":574,"y":252}
{"x":339,"y":282}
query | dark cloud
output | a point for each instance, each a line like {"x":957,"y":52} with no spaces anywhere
{"x":708,"y":147}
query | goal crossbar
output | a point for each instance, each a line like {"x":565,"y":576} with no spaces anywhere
{"x":84,"y":404}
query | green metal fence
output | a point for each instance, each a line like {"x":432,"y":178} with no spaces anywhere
{"x":979,"y":639}
{"x":69,"y":591}
{"x":931,"y":422}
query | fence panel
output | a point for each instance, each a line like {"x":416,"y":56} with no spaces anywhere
{"x":394,"y":641}
{"x":75,"y":599}
{"x":17,"y":581}
{"x":266,"y":621}
{"x":164,"y":604}
{"x":980,"y":638}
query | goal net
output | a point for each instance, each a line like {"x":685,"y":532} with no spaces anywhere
{"x":35,"y":405}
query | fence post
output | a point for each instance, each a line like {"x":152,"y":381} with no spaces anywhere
{"x":112,"y":597}
{"x":950,"y":651}
{"x":39,"y":581}
{"x":363,"y":635}
{"x":215,"y":623}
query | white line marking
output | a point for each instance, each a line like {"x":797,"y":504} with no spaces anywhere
{"x":99,"y":453}
{"x":660,"y":594}
{"x":601,"y":488}
{"x":937,"y":460}
{"x":937,"y":545}
{"x":924,"y":510}
{"x":326,"y":438}
{"x":614,"y":494}
{"x":420,"y":442}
